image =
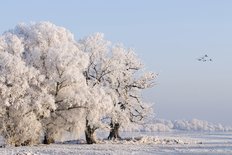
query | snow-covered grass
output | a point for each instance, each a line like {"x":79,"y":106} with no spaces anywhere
{"x":180,"y":137}
{"x":138,"y":143}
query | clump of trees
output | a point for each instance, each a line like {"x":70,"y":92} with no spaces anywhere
{"x":50,"y":83}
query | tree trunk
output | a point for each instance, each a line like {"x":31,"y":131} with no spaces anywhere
{"x":48,"y":140}
{"x":89,"y":134}
{"x":114,"y":131}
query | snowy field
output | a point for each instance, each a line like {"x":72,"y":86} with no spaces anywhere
{"x":139,"y":143}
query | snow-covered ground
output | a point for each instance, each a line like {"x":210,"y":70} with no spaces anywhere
{"x":139,"y":143}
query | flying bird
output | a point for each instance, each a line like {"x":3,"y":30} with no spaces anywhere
{"x":205,"y":58}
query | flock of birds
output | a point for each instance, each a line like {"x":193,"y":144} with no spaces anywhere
{"x":204,"y":58}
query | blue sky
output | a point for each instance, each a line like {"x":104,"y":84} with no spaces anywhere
{"x":168,"y":35}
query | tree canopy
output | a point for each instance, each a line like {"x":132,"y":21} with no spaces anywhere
{"x":51,"y":83}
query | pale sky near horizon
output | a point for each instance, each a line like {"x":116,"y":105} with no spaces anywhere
{"x":168,"y":35}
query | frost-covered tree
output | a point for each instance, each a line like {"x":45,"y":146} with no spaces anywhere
{"x":130,"y":80}
{"x":23,"y":101}
{"x":60,"y":85}
{"x":118,"y":70}
{"x":101,"y":101}
{"x":52,"y":50}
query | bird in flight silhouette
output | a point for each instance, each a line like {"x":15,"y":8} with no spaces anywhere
{"x":204,"y":58}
